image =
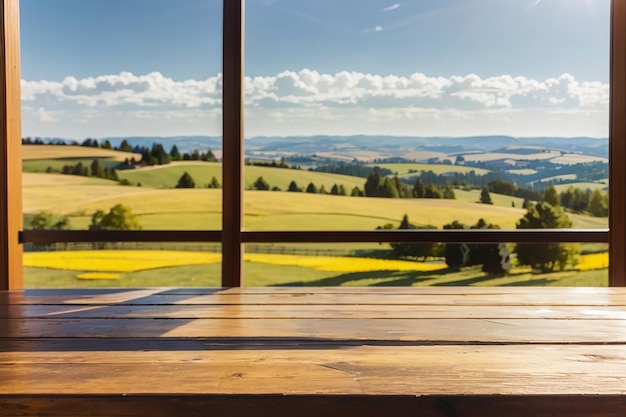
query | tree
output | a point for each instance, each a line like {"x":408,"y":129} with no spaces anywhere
{"x":420,"y":251}
{"x":454,"y":252}
{"x":545,"y":256}
{"x":106,"y":145}
{"x":96,"y":169}
{"x":260,"y":184}
{"x":293,"y":187}
{"x":373,"y":183}
{"x":44,"y":220}
{"x":489,"y":255}
{"x":598,"y":204}
{"x":214,"y":183}
{"x":448,"y":193}
{"x":125,"y":146}
{"x":208,"y":157}
{"x":551,"y":196}
{"x":485,"y":197}
{"x":119,"y":217}
{"x":185,"y":181}
{"x":356,"y":192}
{"x":418,"y":189}
{"x":175,"y":154}
{"x":311,"y":188}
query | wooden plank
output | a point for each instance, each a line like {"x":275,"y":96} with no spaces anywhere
{"x":312,"y":406}
{"x":11,"y":270}
{"x":365,"y":370}
{"x":158,"y":297}
{"x":400,"y":331}
{"x":356,"y":312}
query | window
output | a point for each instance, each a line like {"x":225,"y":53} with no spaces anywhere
{"x":232,"y":237}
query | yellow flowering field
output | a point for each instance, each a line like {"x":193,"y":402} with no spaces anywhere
{"x":98,"y":275}
{"x":140,"y":260}
{"x":593,"y":261}
{"x":117,"y":260}
{"x":342,"y":263}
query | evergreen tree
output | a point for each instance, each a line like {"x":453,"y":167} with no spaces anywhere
{"x":551,"y":196}
{"x":356,"y":192}
{"x":598,"y":204}
{"x":106,"y":145}
{"x":96,"y":169}
{"x":373,"y":183}
{"x":293,"y":187}
{"x":260,"y":184}
{"x":175,"y":154}
{"x":125,"y":146}
{"x":214,"y":183}
{"x":311,"y":188}
{"x":418,"y":189}
{"x":185,"y":181}
{"x":485,"y":197}
{"x":448,"y":193}
{"x":209,"y":157}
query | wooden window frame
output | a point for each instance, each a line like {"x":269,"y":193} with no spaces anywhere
{"x":232,"y":236}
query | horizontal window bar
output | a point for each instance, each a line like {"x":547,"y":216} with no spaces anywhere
{"x":444,"y":236}
{"x":61,"y":236}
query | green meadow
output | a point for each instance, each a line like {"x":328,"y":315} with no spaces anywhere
{"x":160,"y":206}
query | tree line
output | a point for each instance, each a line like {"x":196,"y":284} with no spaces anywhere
{"x":494,"y":258}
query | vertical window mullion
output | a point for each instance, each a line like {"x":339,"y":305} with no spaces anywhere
{"x":617,"y":146}
{"x":11,"y":273}
{"x":232,"y":128}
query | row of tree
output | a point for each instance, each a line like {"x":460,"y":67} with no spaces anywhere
{"x":494,"y":258}
{"x":119,"y":217}
{"x":95,"y":169}
{"x":378,"y":185}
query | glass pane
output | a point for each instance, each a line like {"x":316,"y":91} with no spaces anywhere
{"x":131,"y":265}
{"x":430,"y":114}
{"x":360,"y":264}
{"x":121,"y":114}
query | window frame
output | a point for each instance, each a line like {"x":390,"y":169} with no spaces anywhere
{"x":232,"y":236}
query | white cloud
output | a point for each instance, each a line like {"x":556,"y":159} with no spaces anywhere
{"x":44,"y":116}
{"x":378,"y":29}
{"x":314,"y":102}
{"x":392,"y":7}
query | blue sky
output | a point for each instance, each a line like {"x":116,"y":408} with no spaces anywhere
{"x":416,"y":67}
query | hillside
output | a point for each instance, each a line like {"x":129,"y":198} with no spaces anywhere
{"x":40,"y":152}
{"x":166,"y":176}
{"x":264,"y":210}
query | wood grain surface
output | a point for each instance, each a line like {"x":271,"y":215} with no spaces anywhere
{"x":300,"y":351}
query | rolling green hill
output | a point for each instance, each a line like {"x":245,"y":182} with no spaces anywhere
{"x":403,"y":168}
{"x":166,"y":176}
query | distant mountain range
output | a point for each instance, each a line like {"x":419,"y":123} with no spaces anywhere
{"x":276,"y":146}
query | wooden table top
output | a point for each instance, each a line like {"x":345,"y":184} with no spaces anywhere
{"x":446,"y":351}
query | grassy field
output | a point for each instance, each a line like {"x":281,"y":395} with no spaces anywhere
{"x":264,"y":210}
{"x":404,"y":168}
{"x":165,"y":208}
{"x":55,"y":152}
{"x":166,"y":176}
